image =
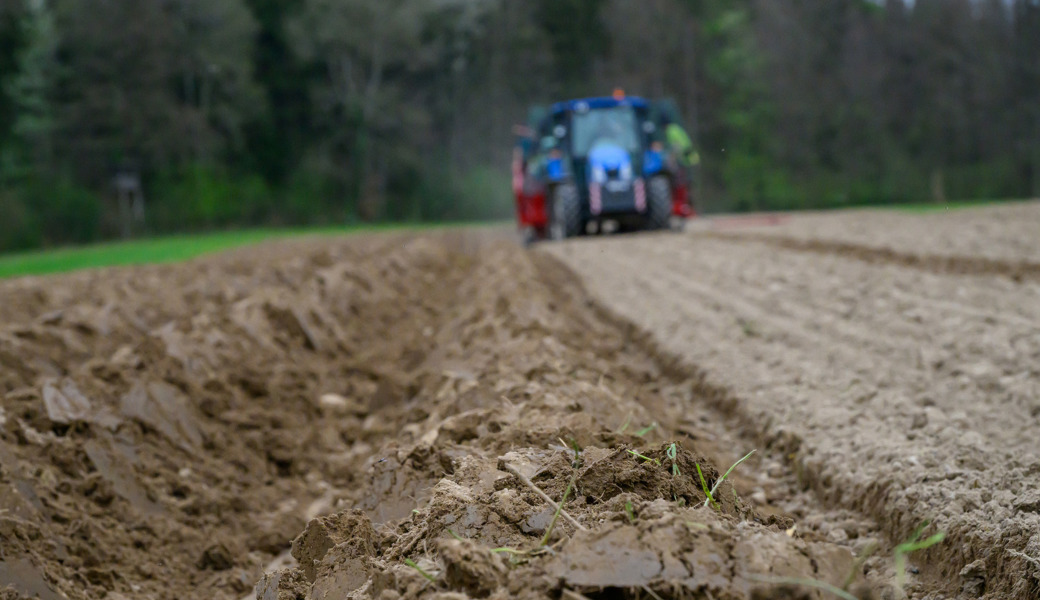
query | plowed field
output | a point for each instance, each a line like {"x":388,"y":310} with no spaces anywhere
{"x":399,"y":416}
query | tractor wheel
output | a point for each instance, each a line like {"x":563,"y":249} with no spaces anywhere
{"x":565,"y":215}
{"x":659,"y":201}
{"x":528,"y":236}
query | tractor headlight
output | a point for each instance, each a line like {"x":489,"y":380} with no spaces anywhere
{"x":599,"y":174}
{"x":626,"y":171}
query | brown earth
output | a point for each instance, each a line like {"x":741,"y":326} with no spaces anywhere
{"x":987,"y":234}
{"x":901,"y":391}
{"x":343,"y":418}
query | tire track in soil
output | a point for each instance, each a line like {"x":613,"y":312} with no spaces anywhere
{"x":807,"y":412}
{"x":1018,"y":271}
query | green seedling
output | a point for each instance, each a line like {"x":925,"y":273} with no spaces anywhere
{"x":576,"y":448}
{"x":456,"y":536}
{"x":858,"y":564}
{"x":624,"y":426}
{"x":559,"y":509}
{"x":646,"y":429}
{"x":411,"y":563}
{"x":913,"y":544}
{"x":806,"y":582}
{"x":715,"y":487}
{"x":704,"y":486}
{"x":646,"y":458}
{"x":672,"y":455}
{"x":630,"y":512}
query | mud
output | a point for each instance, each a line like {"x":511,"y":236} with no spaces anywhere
{"x":903,"y":394}
{"x":397,"y":417}
{"x":299,"y":420}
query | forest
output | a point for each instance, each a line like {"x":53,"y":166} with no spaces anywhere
{"x":236,"y":113}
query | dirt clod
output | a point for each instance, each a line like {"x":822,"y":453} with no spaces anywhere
{"x":173,"y":431}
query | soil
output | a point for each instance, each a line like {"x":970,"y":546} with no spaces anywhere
{"x":906,"y":393}
{"x":989,"y":239}
{"x":397,"y":416}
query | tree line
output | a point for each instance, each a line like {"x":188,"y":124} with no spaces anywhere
{"x":252,"y":112}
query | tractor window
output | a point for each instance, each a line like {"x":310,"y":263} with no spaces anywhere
{"x":617,"y":125}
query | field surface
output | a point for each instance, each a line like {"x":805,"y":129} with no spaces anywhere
{"x":399,"y":415}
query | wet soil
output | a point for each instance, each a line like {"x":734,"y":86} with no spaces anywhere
{"x":311,"y":419}
{"x":906,"y":394}
{"x":397,"y":416}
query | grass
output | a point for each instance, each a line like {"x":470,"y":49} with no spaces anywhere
{"x":170,"y":248}
{"x":715,"y":487}
{"x":559,"y":509}
{"x":642,"y":432}
{"x":913,"y":544}
{"x":411,"y":563}
{"x":704,"y":486}
{"x":646,"y":458}
{"x":673,"y":455}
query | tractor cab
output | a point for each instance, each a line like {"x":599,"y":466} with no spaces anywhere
{"x":595,"y":164}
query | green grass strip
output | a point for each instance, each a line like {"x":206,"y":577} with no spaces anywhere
{"x":175,"y":248}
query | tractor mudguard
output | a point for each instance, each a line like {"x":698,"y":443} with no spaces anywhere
{"x":653,"y":163}
{"x":556,"y":170}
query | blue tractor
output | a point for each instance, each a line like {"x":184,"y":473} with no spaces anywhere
{"x":597,"y":164}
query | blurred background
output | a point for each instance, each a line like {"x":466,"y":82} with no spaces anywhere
{"x":127,"y":118}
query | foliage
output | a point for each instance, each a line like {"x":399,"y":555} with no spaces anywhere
{"x":250,"y":112}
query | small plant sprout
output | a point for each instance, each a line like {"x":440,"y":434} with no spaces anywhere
{"x":411,"y":563}
{"x":672,"y":455}
{"x":913,"y":544}
{"x":646,"y":458}
{"x":715,"y":487}
{"x":646,"y":429}
{"x":630,"y":512}
{"x":515,"y":556}
{"x":704,"y":486}
{"x":624,"y":426}
{"x":559,"y":508}
{"x":858,"y":564}
{"x":574,"y":447}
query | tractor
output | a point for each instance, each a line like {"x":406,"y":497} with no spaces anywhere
{"x":597,"y":165}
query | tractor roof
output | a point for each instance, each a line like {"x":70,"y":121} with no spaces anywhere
{"x":594,"y":103}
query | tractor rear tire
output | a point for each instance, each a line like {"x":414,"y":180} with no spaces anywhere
{"x":565,"y":215}
{"x":659,"y":201}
